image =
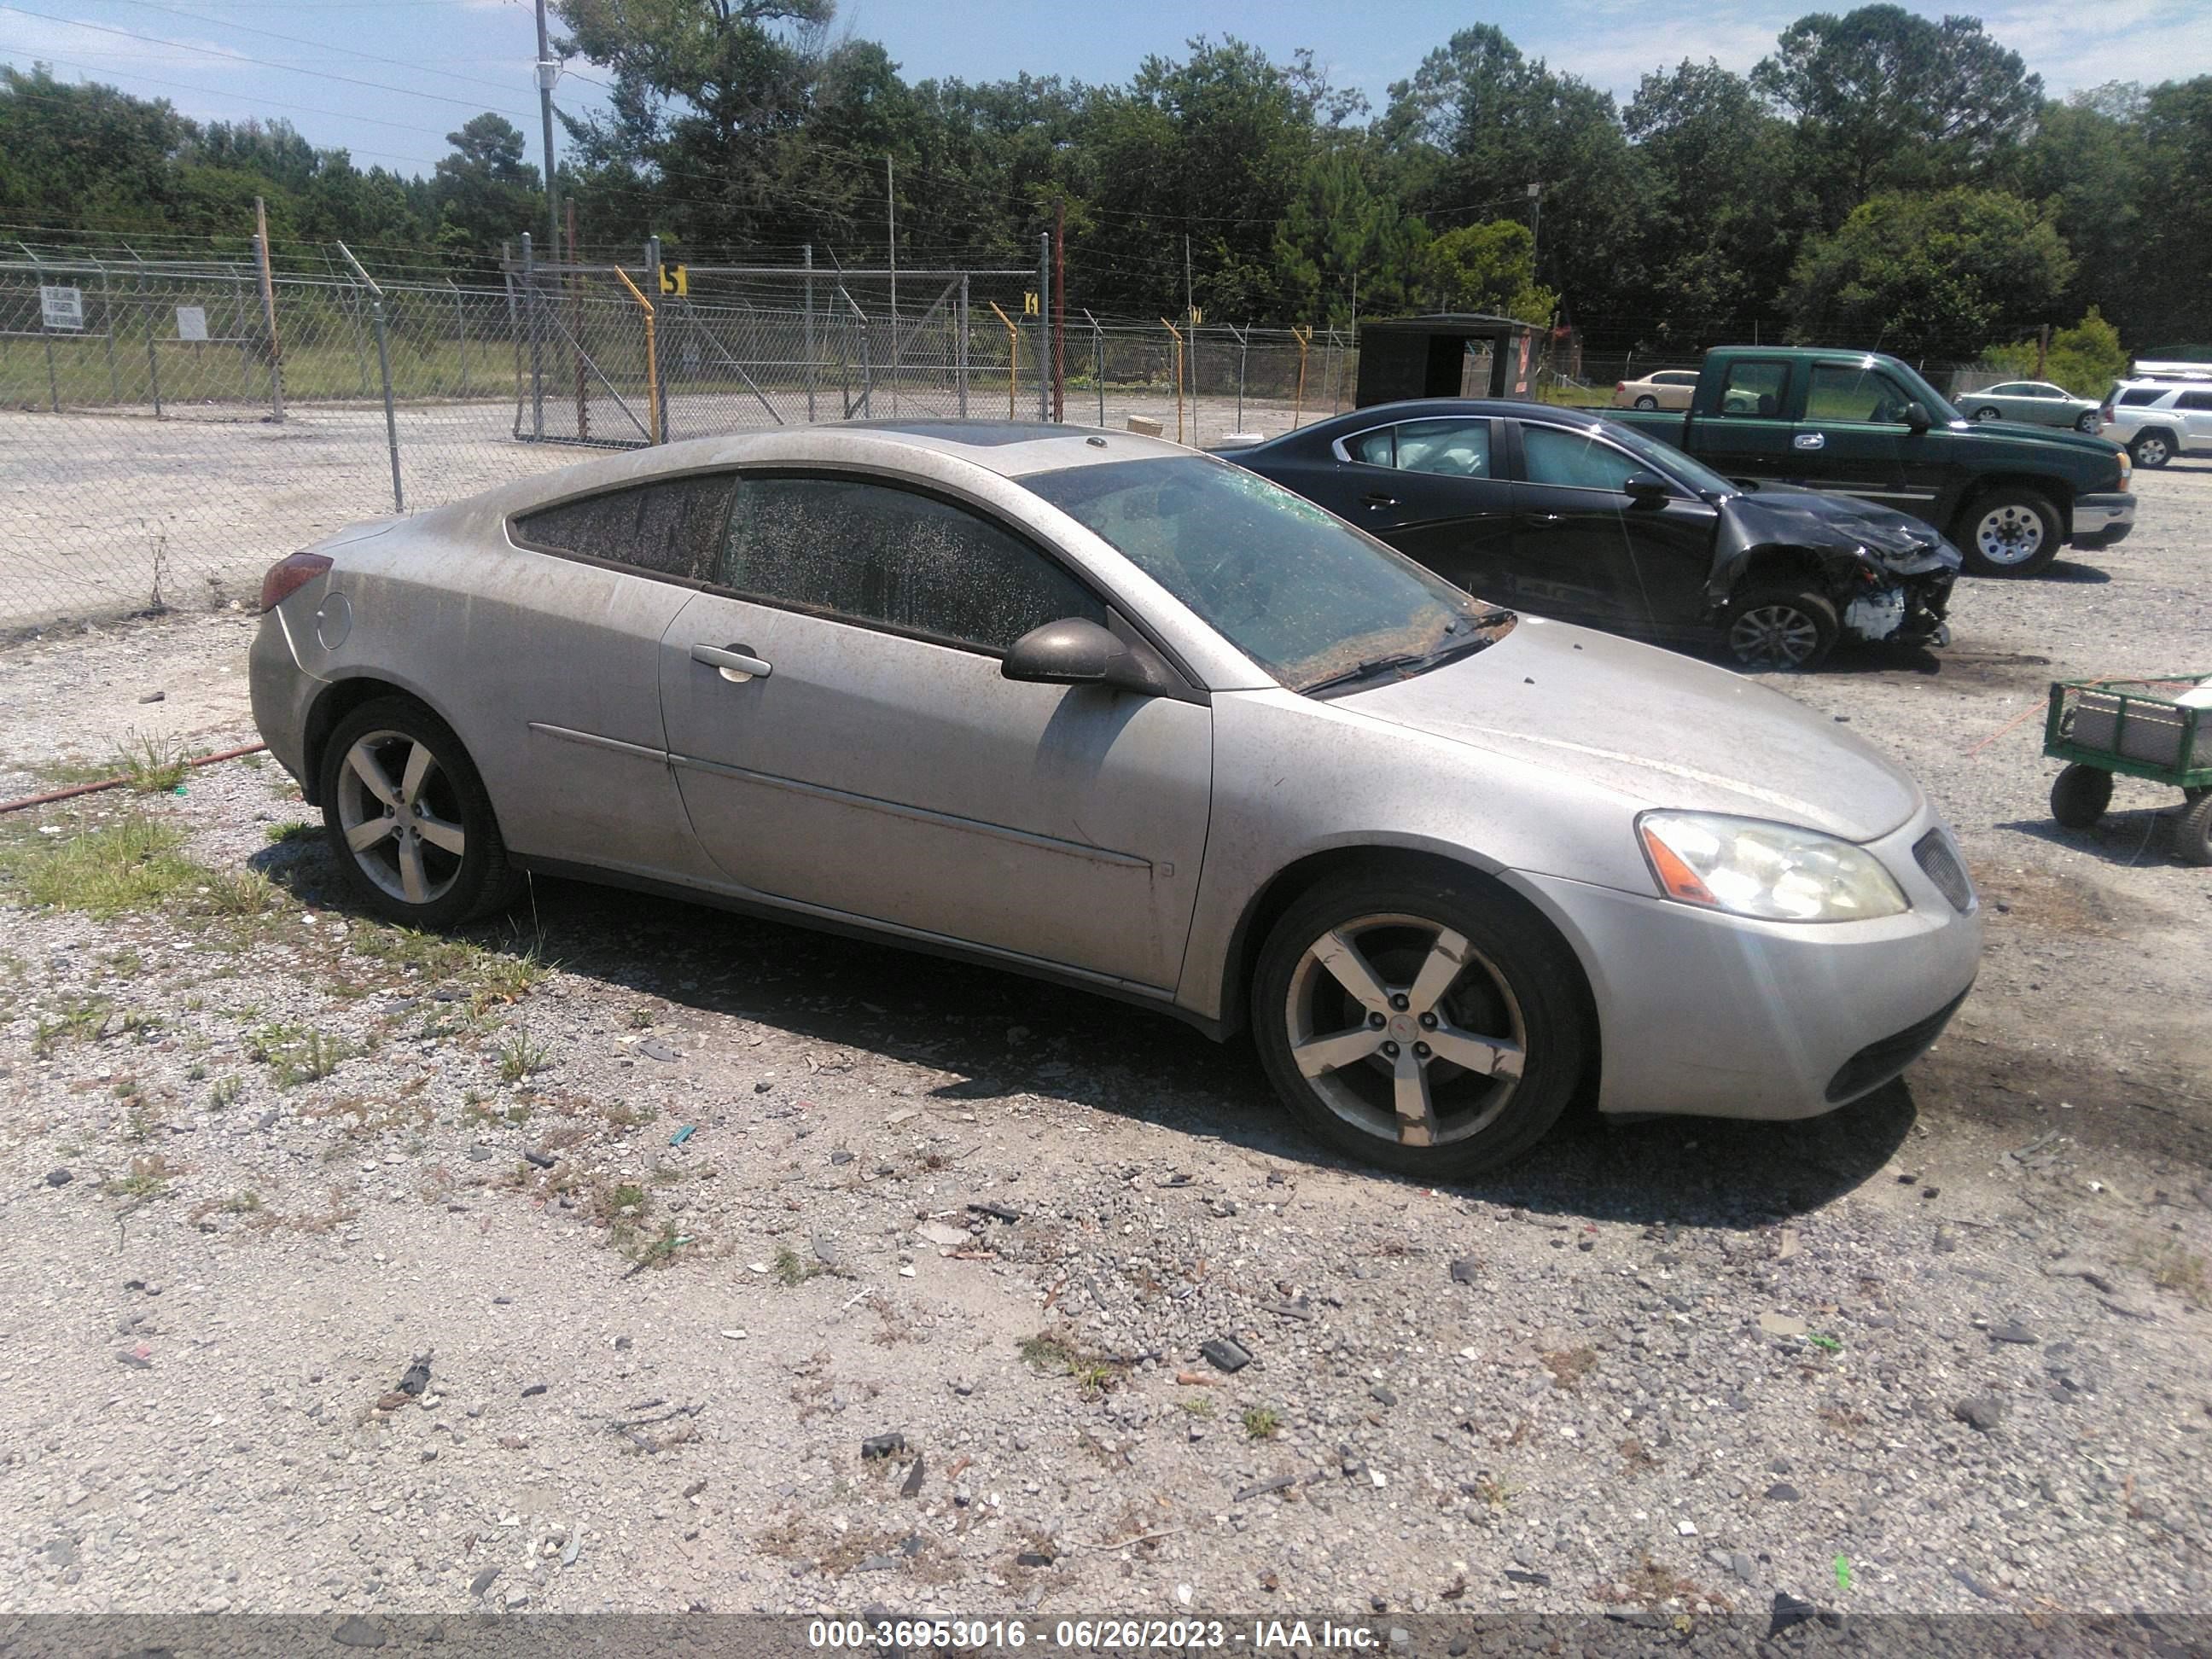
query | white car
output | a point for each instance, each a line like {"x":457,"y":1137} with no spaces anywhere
{"x":2158,"y":420}
{"x":1670,"y":388}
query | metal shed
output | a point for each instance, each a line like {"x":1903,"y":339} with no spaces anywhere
{"x":1465,"y":354}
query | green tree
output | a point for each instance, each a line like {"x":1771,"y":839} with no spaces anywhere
{"x":484,"y":192}
{"x":1487,"y":267}
{"x":2176,"y":224}
{"x":2085,"y":359}
{"x":1885,"y":100}
{"x":1942,"y":273}
{"x":2088,"y":157}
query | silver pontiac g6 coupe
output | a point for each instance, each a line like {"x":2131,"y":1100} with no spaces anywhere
{"x":1097,"y":708}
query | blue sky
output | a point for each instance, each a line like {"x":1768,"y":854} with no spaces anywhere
{"x":433,"y":63}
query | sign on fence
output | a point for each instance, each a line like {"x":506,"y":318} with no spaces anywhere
{"x":62,"y":308}
{"x":192,"y":323}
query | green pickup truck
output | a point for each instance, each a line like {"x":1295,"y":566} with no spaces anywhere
{"x":1862,"y":424}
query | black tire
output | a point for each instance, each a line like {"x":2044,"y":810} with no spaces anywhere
{"x":448,"y":794}
{"x":1647,"y":401}
{"x":1985,"y":413}
{"x":2011,"y":531}
{"x":2086,"y":422}
{"x":2079,"y":796}
{"x":2192,"y":831}
{"x":1781,"y":628}
{"x":2153,"y":449}
{"x":1516,"y":980}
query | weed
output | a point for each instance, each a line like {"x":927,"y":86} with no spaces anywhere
{"x":629,"y":1195}
{"x":519,"y":1057}
{"x":1047,"y":1354}
{"x":131,"y":864}
{"x":1197,"y":1405}
{"x":140,"y":1024}
{"x":242,"y":1203}
{"x":148,"y":1179}
{"x":1093,"y":1378}
{"x":655,"y":1252}
{"x":281,"y":835}
{"x":81,"y":1022}
{"x":295,"y":1056}
{"x":225,"y":1093}
{"x":503,"y":978}
{"x":2173,"y":1266}
{"x":1262,"y":1422}
{"x":1497,"y":1494}
{"x":640,"y":1019}
{"x":236,"y":893}
{"x":195,"y":1072}
{"x":1568,"y":1366}
{"x":155,"y":764}
{"x":793,"y":1268}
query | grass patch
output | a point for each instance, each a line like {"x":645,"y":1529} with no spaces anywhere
{"x":294,"y":1056}
{"x":132,"y":865}
{"x":148,"y":1179}
{"x":2173,"y":1266}
{"x":154,"y":764}
{"x":1262,"y":1422}
{"x":284,"y":834}
{"x":238,"y":893}
{"x":1197,"y":1405}
{"x":226,"y":1093}
{"x":245,"y":1203}
{"x":1568,"y":1366}
{"x":629,"y":1195}
{"x":793,"y":1268}
{"x":503,"y":978}
{"x":83,"y":1021}
{"x":519,"y":1057}
{"x":1094,"y":1373}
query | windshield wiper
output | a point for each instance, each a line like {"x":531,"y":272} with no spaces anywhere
{"x":1406,"y":664}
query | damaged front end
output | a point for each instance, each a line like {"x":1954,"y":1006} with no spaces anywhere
{"x":1888,"y":575}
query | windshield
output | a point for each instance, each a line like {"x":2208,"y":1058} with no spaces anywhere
{"x":1673,"y":462}
{"x":1941,"y":408}
{"x":1295,"y":589}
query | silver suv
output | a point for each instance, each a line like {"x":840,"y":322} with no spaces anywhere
{"x":2160,"y":418}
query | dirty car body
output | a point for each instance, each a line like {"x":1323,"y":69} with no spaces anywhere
{"x":1106,"y":712}
{"x":1568,"y":514}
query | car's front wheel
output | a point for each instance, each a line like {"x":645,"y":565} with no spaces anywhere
{"x":1419,"y":1023}
{"x":1986,"y":413}
{"x":2087,"y":421}
{"x":408,"y":819}
{"x":2010,"y":531}
{"x":2151,"y":449}
{"x":1647,"y":401}
{"x":1785,"y":629}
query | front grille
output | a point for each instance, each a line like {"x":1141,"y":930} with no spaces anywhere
{"x":1878,"y":1062}
{"x":1937,"y":857}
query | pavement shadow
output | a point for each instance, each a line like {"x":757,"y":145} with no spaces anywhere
{"x":2065,"y":570}
{"x":1001,"y":1035}
{"x":2123,"y":836}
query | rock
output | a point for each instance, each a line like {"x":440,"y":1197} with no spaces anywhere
{"x":1946,"y":1240}
{"x":61,"y":1553}
{"x":138,"y":1362}
{"x":417,"y":1376}
{"x":541,"y":1160}
{"x":533,"y":1390}
{"x":1261,"y":1488}
{"x":1465,"y":1270}
{"x":880,"y":1563}
{"x":883,"y":1445}
{"x":356,"y":1631}
{"x":1777,"y":1324}
{"x":1033,"y":1559}
{"x":997,"y":1211}
{"x":1783,"y":1493}
{"x":2013,"y":1331}
{"x":939,"y":1233}
{"x":573,"y":1548}
{"x":479,"y":1154}
{"x":483,"y":1581}
{"x":1742,"y":1565}
{"x":911,"y":1486}
{"x":1381,"y":1396}
{"x":154,"y":696}
{"x":839,"y":1158}
{"x":1226,"y":1353}
{"x":825,"y":1251}
{"x":1979,"y":1411}
{"x":58,"y":1177}
{"x":654,"y":1049}
{"x":1522,"y":1576}
{"x":1975,"y":1584}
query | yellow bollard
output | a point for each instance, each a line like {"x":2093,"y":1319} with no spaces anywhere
{"x":1014,"y":353}
{"x":1177,"y":332}
{"x":651,"y":362}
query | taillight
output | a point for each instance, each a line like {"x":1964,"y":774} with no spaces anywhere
{"x":2106,"y":414}
{"x":289,"y":576}
{"x":1621,"y":386}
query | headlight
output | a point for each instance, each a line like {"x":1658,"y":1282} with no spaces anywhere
{"x":2127,"y":466}
{"x":1749,"y":867}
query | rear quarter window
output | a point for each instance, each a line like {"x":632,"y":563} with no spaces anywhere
{"x":671,"y":528}
{"x":2142,"y":396}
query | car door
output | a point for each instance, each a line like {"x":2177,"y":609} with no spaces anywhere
{"x":1585,"y":550}
{"x":1433,"y":490}
{"x":563,"y":627}
{"x":1853,"y":438}
{"x":2193,"y":412}
{"x":1748,"y":434}
{"x":845,"y":740}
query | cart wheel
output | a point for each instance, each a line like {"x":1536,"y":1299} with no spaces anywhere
{"x":2081,"y":795}
{"x":2192,"y":833}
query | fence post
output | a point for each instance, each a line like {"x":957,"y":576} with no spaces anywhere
{"x":536,"y":349}
{"x":658,"y":386}
{"x":1243,"y":350}
{"x":268,"y":318}
{"x":1177,"y":332}
{"x":807,"y":253}
{"x":461,"y":328}
{"x":153,"y":367}
{"x":1044,"y":327}
{"x":1097,"y":363}
{"x":960,"y":348}
{"x":108,"y":336}
{"x":652,"y":365}
{"x":1304,"y":337}
{"x":1014,"y":353}
{"x":384,"y":368}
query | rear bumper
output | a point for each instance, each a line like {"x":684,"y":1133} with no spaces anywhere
{"x":2102,"y":520}
{"x":283,"y":693}
{"x":1715,"y":1016}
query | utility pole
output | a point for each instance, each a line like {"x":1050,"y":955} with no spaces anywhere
{"x":1060,"y":310}
{"x":1536,"y":222}
{"x":548,"y":71}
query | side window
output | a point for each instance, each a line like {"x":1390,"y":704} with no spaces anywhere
{"x":869,"y":553}
{"x":668,"y":529}
{"x":2194,"y":400}
{"x":1574,"y":460}
{"x":1376,"y":448}
{"x":2142,"y":395}
{"x":1754,"y":389}
{"x":1449,"y":448}
{"x":1845,"y":392}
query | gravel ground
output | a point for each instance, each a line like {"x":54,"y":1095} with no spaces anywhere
{"x":573,"y":1265}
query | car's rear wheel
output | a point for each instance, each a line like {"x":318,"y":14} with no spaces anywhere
{"x":1785,"y":629}
{"x":1986,"y":413}
{"x":1424,"y":1024}
{"x":2086,"y":422}
{"x":2152,"y":449}
{"x":2080,"y":795}
{"x":2010,"y":531}
{"x":408,"y":819}
{"x":1647,"y":401}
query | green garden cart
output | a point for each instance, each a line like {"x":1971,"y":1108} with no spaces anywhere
{"x":2160,"y":729}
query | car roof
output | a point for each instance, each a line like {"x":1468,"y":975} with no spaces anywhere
{"x":1429,"y":409}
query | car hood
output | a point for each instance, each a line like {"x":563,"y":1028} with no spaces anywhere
{"x":2016,"y":431}
{"x":1658,"y":729}
{"x":1788,"y":515}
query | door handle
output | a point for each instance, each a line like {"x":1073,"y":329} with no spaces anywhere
{"x":1380,"y":500}
{"x":1545,"y":520}
{"x":1809,"y":441}
{"x":737,"y":662}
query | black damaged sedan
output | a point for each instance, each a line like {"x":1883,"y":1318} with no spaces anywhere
{"x":1566,"y":514}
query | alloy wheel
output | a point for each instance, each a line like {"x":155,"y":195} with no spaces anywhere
{"x":401,"y":817}
{"x":1404,"y":1031}
{"x":1774,"y":636}
{"x":2152,"y":451}
{"x":2010,"y":534}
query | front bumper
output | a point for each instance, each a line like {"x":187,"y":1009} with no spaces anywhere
{"x":2102,"y":520}
{"x":1716,"y":1016}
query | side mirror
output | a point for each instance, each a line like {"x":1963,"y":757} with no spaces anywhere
{"x":1646,"y":488}
{"x":1916,"y":416}
{"x":1074,"y":652}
